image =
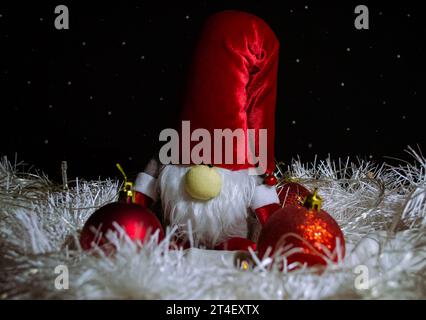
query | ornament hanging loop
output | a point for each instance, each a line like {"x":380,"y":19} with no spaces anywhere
{"x":126,"y":193}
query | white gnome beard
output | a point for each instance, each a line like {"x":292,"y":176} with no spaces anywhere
{"x":212,"y":221}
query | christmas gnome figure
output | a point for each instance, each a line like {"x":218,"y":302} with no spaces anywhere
{"x":232,"y":88}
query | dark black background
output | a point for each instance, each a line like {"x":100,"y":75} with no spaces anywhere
{"x":100,"y":92}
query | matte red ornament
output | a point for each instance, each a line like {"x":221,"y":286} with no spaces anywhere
{"x":138,"y":222}
{"x":305,"y":227}
{"x":292,"y":193}
{"x":236,"y":243}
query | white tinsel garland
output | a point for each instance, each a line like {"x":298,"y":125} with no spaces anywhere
{"x":381,"y":210}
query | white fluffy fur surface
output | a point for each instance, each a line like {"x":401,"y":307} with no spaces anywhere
{"x":214,"y":221}
{"x":381,"y":210}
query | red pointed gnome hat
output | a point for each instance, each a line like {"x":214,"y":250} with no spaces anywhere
{"x":232,"y":86}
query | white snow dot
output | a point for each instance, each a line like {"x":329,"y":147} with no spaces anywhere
{"x":142,"y":57}
{"x":69,"y":83}
{"x":384,"y":102}
{"x":408,"y":15}
{"x":398,"y":56}
{"x":91,"y":98}
{"x":348,"y":49}
{"x":291,"y":10}
{"x":187,"y":17}
{"x":293,"y":122}
{"x":46,"y":141}
{"x":380,"y":13}
{"x":123,"y":43}
{"x":130,"y":158}
{"x":29,"y":82}
{"x":342,"y":84}
{"x":297,"y":60}
{"x":41,"y":19}
{"x":50,"y":106}
{"x":83,"y":43}
{"x":306,"y":7}
{"x":1,"y":16}
{"x":109,"y":113}
{"x":403,"y":117}
{"x":370,"y":156}
{"x":309,"y":145}
{"x":161,"y":98}
{"x":348,"y":129}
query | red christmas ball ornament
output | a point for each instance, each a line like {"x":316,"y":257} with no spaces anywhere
{"x":137,"y":221}
{"x":236,"y":244}
{"x":311,"y":230}
{"x":292,"y":193}
{"x":270,"y":180}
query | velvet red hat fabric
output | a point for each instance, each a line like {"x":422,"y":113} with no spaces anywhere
{"x":233,"y":83}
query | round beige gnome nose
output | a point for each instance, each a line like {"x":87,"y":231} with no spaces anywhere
{"x":203,"y":182}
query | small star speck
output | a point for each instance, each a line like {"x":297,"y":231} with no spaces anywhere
{"x":142,"y":57}
{"x":91,"y":98}
{"x":404,"y":117}
{"x":309,"y":145}
{"x":342,"y":84}
{"x":348,"y":129}
{"x":69,"y":83}
{"x":297,"y":60}
{"x":293,"y":122}
{"x":130,"y":158}
{"x":50,"y":106}
{"x":83,"y":43}
{"x":187,"y":17}
{"x":348,"y":49}
{"x":29,"y":82}
{"x":370,"y":156}
{"x":46,"y":141}
{"x":123,"y":43}
{"x":41,"y":19}
{"x":109,"y":113}
{"x":306,"y":7}
{"x":161,"y":98}
{"x":384,"y":102}
{"x":398,"y":56}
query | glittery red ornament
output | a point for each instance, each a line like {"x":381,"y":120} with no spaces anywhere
{"x":312,"y":230}
{"x":292,"y":193}
{"x":137,"y":221}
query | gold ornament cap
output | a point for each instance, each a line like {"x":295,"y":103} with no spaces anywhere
{"x":313,"y":201}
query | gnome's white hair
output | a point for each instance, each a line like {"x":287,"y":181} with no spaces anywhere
{"x":213,"y":221}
